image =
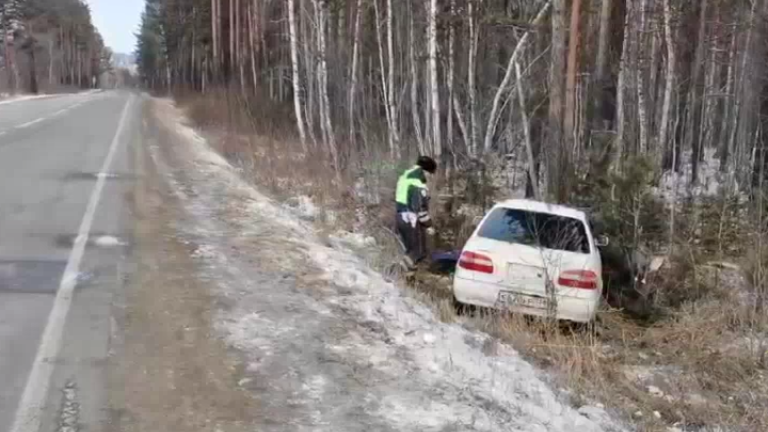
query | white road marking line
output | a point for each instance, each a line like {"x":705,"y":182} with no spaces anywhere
{"x":32,"y":123}
{"x":42,"y":119}
{"x":62,"y":111}
{"x":33,"y":400}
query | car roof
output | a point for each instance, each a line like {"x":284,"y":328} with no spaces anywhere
{"x":542,"y":207}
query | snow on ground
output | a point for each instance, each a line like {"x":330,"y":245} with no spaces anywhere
{"x":328,"y":344}
{"x":6,"y":98}
{"x":710,"y":183}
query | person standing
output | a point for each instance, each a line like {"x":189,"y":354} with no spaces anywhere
{"x":412,"y":204}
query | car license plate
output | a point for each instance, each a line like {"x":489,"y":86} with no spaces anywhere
{"x":509,"y":299}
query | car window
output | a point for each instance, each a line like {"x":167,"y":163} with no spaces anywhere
{"x":536,"y":229}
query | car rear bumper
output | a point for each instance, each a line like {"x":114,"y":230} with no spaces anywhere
{"x":486,"y":294}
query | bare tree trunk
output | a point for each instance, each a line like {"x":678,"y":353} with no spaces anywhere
{"x":696,"y":94}
{"x":622,"y":88}
{"x":384,"y":87}
{"x":414,"y":83}
{"x":252,"y":26}
{"x":239,"y":45}
{"x":570,"y":85}
{"x":295,"y":73}
{"x":460,"y":122}
{"x":353,"y":72}
{"x":450,"y":79}
{"x":669,"y":78}
{"x":310,"y":72}
{"x":473,"y":41}
{"x":493,"y":118}
{"x":393,"y":115}
{"x":557,"y":154}
{"x":427,"y":99}
{"x":325,"y":110}
{"x":653,"y":81}
{"x":214,"y":32}
{"x":435,"y":94}
{"x":640,"y":81}
{"x":231,"y":59}
{"x":724,"y":148}
{"x":602,"y":42}
{"x":527,"y":133}
{"x":739,"y":103}
{"x":50,"y":62}
{"x":204,"y":78}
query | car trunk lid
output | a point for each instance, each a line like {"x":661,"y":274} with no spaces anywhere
{"x":528,"y":269}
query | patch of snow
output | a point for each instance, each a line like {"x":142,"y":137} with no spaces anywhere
{"x":355,"y":240}
{"x":354,"y":352}
{"x":108,"y":241}
{"x":711,"y":181}
{"x":304,"y":207}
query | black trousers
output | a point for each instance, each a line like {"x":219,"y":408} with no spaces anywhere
{"x":414,"y":239}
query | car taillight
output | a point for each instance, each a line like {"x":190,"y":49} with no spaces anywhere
{"x":582,"y":279}
{"x":476,"y":262}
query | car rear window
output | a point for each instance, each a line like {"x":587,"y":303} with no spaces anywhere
{"x":536,"y":229}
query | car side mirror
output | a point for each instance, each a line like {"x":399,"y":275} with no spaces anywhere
{"x":602,"y":241}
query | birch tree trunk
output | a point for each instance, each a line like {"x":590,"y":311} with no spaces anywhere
{"x":50,"y":62}
{"x":384,"y":90}
{"x":724,"y":149}
{"x":325,"y":110}
{"x":295,"y":73}
{"x":669,"y":78}
{"x":393,"y":115}
{"x":640,"y":81}
{"x":471,"y":79}
{"x":533,"y":177}
{"x":739,"y":104}
{"x":231,"y":62}
{"x":621,"y":90}
{"x":253,"y":48}
{"x":238,"y":46}
{"x":215,"y":32}
{"x":353,"y":72}
{"x":460,"y":121}
{"x":434,"y":90}
{"x":696,"y":94}
{"x":414,"y":84}
{"x":450,"y":78}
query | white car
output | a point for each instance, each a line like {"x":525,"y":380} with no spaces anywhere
{"x":532,"y":258}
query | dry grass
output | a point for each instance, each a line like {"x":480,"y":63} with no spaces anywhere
{"x":691,"y":364}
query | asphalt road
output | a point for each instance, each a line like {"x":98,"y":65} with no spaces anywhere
{"x":65,"y":177}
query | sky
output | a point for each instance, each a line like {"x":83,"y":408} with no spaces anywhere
{"x":117,"y":21}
